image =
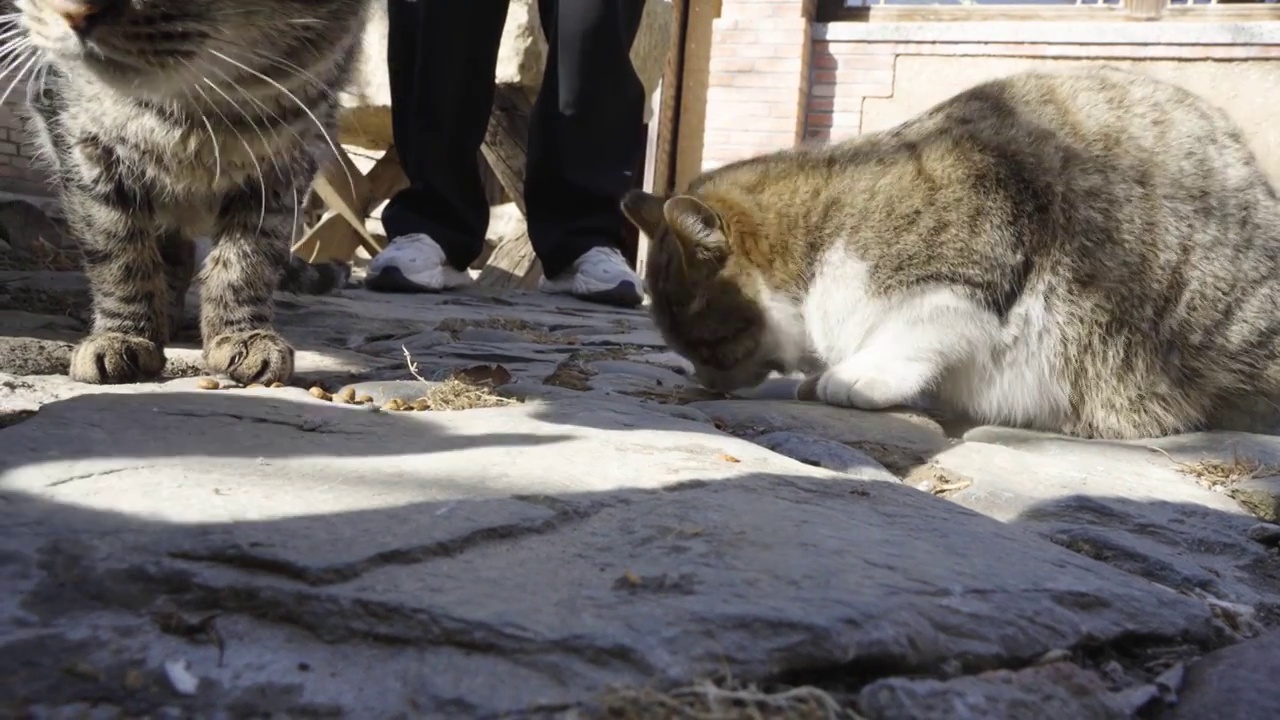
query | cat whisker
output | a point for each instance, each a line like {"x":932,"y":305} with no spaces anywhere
{"x":213,"y":136}
{"x":293,"y":175}
{"x":293,"y":229}
{"x":320,"y":126}
{"x":12,"y":32}
{"x":262,"y":178}
{"x":294,"y":70}
{"x":13,"y":46}
{"x":35,"y":57}
{"x":266,"y":145}
{"x":231,"y":126}
{"x":217,"y":152}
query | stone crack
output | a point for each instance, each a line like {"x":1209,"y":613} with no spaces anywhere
{"x":244,"y":558}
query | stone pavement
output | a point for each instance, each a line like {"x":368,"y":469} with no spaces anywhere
{"x":596,"y":535}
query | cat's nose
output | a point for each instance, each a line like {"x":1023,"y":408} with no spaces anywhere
{"x":82,"y":15}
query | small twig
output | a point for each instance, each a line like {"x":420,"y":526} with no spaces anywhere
{"x":171,"y":622}
{"x":413,"y":366}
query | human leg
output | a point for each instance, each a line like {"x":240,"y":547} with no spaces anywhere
{"x":586,"y":139}
{"x":441,"y":57}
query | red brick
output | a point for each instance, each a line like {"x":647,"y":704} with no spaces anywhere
{"x":821,"y":104}
{"x":817,"y":136}
{"x":818,"y":120}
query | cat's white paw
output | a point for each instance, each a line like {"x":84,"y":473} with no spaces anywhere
{"x":864,"y":387}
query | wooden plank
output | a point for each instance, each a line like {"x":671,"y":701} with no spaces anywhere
{"x":349,"y":198}
{"x":344,"y":188}
{"x":695,"y":75}
{"x":333,"y":238}
{"x":668,"y":119}
{"x":346,"y":191}
{"x":386,"y":178}
{"x":506,"y":140}
{"x":512,"y":263}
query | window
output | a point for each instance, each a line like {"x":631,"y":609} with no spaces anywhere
{"x":1074,"y":10}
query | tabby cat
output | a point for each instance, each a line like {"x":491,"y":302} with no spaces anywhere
{"x":167,"y":120}
{"x":1095,"y":253}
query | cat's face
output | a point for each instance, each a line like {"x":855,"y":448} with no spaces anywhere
{"x":158,"y":46}
{"x":712,"y":310}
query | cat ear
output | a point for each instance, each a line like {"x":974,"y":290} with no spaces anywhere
{"x":694,"y":220}
{"x":644,"y":210}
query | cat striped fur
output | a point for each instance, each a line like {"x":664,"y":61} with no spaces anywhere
{"x":167,"y":120}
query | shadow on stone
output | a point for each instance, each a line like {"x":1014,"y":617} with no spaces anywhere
{"x":406,"y":562}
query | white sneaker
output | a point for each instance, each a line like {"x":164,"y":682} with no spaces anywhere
{"x":601,"y":275}
{"x":413,"y":263}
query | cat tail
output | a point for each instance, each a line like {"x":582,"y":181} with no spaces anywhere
{"x":303,"y":278}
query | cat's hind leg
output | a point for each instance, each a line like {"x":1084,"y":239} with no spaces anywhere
{"x":126,"y":281}
{"x":239,"y":278}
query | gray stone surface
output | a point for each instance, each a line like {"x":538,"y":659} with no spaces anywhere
{"x":1260,"y":495}
{"x":1128,"y":504}
{"x":1060,"y":690}
{"x":612,"y":529}
{"x":526,"y":538}
{"x":824,"y":453}
{"x":1235,"y":683}
{"x":1266,"y":533}
{"x":898,"y":441}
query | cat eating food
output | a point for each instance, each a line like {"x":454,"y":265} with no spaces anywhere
{"x":1093,"y":252}
{"x":167,"y":120}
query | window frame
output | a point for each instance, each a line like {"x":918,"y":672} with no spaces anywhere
{"x":1126,"y":10}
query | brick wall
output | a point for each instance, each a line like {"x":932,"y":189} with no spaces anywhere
{"x":843,"y":75}
{"x":18,"y":173}
{"x":758,"y":80}
{"x":846,"y":74}
{"x":777,"y":78}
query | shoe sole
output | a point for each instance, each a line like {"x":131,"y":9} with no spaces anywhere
{"x":392,"y":280}
{"x":624,"y":295}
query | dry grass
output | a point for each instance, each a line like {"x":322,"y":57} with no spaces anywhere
{"x":1214,"y":473}
{"x":709,"y":701}
{"x":468,"y":389}
{"x":533,"y":333}
{"x":572,"y":372}
{"x":937,"y":480}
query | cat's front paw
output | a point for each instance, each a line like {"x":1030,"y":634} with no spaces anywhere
{"x":853,"y":386}
{"x":115,"y":358}
{"x":807,"y":390}
{"x":257,"y":356}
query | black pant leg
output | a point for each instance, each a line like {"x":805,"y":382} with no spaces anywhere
{"x":587,"y":130}
{"x":441,"y":58}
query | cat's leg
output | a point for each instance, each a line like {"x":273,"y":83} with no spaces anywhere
{"x":877,"y":378}
{"x":907,"y":353}
{"x":126,"y":282}
{"x":250,"y":246}
{"x":179,"y":255}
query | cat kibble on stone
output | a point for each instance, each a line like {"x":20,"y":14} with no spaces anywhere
{"x":1092,"y":252}
{"x":168,"y":120}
